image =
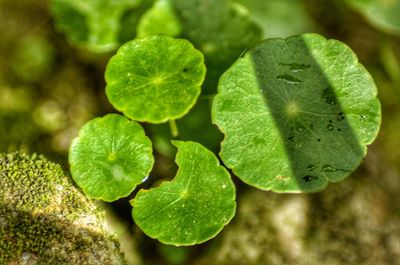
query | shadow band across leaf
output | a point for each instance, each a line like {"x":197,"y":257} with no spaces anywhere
{"x":320,"y":144}
{"x":296,"y":113}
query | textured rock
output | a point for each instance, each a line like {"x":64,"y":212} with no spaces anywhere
{"x":44,"y":219}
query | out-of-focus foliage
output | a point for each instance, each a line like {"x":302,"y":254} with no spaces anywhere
{"x":93,"y":24}
{"x":383,"y":14}
{"x":279,"y":18}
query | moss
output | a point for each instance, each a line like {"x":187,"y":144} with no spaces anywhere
{"x":44,"y":219}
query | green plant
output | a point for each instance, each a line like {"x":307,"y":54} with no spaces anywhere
{"x":296,"y":113}
{"x":287,"y":109}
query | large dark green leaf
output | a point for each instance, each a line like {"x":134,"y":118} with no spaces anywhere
{"x":297,"y":113}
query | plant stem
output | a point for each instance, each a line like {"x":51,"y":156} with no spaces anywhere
{"x":173,"y":128}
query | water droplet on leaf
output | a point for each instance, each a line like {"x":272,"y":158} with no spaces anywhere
{"x":340,"y":116}
{"x":328,"y":168}
{"x":309,"y":178}
{"x":288,"y":79}
{"x":310,"y":167}
{"x":328,"y":96}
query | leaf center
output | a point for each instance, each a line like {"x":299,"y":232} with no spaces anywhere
{"x":292,"y":109}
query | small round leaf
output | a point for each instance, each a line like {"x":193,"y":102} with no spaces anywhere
{"x":193,"y":207}
{"x":155,"y":79}
{"x":297,"y":113}
{"x":110,"y":157}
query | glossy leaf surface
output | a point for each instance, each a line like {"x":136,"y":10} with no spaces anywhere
{"x":110,"y":157}
{"x":193,"y":207}
{"x":155,"y":79}
{"x":297,"y":113}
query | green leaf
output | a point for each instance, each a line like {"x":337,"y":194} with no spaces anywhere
{"x":193,"y":207}
{"x":383,"y":14}
{"x":160,"y":19}
{"x":279,"y":18}
{"x":94,"y":24}
{"x":297,"y":113}
{"x":221,"y":29}
{"x":110,"y":157}
{"x":155,"y":79}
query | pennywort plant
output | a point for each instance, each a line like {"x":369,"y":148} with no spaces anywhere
{"x":297,"y":113}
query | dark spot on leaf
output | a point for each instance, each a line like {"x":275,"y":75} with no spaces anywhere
{"x":330,"y":127}
{"x":339,"y":129}
{"x":363,"y":117}
{"x":291,"y":139}
{"x":340,"y":116}
{"x":310,"y":168}
{"x":319,"y":140}
{"x":185,"y":70}
{"x":309,"y":178}
{"x":328,"y":96}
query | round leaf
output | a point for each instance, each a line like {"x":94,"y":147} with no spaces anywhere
{"x":110,"y":157}
{"x":160,"y":19}
{"x":193,"y":207}
{"x":222,"y":32}
{"x":279,"y":18}
{"x":296,"y":114}
{"x":155,"y":79}
{"x":383,"y":14}
{"x":94,"y":24}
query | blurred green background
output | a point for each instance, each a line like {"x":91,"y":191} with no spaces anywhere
{"x":49,"y":88}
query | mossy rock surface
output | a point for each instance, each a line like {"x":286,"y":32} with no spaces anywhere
{"x":44,"y":219}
